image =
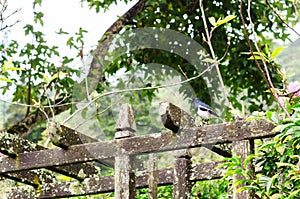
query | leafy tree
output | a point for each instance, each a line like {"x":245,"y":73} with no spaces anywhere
{"x":238,"y":72}
{"x":39,"y":76}
{"x":278,"y":160}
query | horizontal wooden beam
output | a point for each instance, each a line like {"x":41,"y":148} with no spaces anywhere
{"x":65,"y":137}
{"x":167,"y":141}
{"x":13,"y":145}
{"x":199,"y":172}
{"x":34,"y":178}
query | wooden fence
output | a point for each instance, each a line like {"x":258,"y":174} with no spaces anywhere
{"x":35,"y":165}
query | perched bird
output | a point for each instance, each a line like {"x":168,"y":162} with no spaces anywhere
{"x":203,"y":110}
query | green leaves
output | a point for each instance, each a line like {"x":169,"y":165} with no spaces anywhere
{"x":99,"y":4}
{"x":4,"y":79}
{"x":278,"y":160}
{"x":267,"y":55}
{"x":296,"y":107}
{"x":220,"y":21}
{"x":76,"y":41}
{"x":38,"y":18}
{"x":48,"y":79}
{"x":37,"y":2}
{"x":273,"y":116}
{"x":61,"y":32}
{"x":28,"y":29}
{"x":277,"y":51}
{"x":8,"y":66}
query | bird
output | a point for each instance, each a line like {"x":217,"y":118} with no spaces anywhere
{"x":203,"y":110}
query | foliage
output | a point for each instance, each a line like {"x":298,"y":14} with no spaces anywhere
{"x":278,"y":160}
{"x":210,"y":189}
{"x":31,"y":71}
{"x":163,"y":192}
{"x":40,"y":76}
{"x":238,"y":72}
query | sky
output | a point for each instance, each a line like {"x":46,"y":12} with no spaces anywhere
{"x":70,"y":15}
{"x":66,"y":14}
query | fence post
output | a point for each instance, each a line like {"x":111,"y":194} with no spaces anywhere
{"x":124,"y":174}
{"x":152,"y":175}
{"x":243,"y":148}
{"x":182,"y":185}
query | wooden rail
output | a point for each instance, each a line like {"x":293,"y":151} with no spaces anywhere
{"x":75,"y":158}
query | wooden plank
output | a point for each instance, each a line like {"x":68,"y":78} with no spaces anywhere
{"x":153,"y":175}
{"x":69,"y":137}
{"x":34,"y":178}
{"x":242,"y":148}
{"x":75,"y":188}
{"x":22,"y":193}
{"x":124,"y":175}
{"x":65,"y":137}
{"x":182,"y":184}
{"x":206,"y":171}
{"x":124,"y":178}
{"x":187,"y":138}
{"x":105,"y":184}
{"x":12,"y":145}
{"x":198,"y":136}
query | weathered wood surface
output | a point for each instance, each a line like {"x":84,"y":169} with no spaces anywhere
{"x":175,"y":119}
{"x":202,"y":171}
{"x":72,"y":159}
{"x":34,"y":178}
{"x":152,"y":175}
{"x":14,"y":146}
{"x":22,"y":193}
{"x":9,"y":143}
{"x":243,"y":148}
{"x":206,"y":171}
{"x":187,"y":138}
{"x":124,"y":175}
{"x":65,"y":137}
{"x":182,"y":185}
{"x":125,"y":121}
{"x":124,"y":178}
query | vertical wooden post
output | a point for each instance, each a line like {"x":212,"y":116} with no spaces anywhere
{"x":182,"y":185}
{"x":153,"y":175}
{"x":124,"y":174}
{"x":243,"y":148}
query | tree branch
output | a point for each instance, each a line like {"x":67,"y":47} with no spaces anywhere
{"x":2,"y":18}
{"x":208,"y":40}
{"x":96,"y":69}
{"x":27,"y":123}
{"x":280,"y":18}
{"x":264,"y":72}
